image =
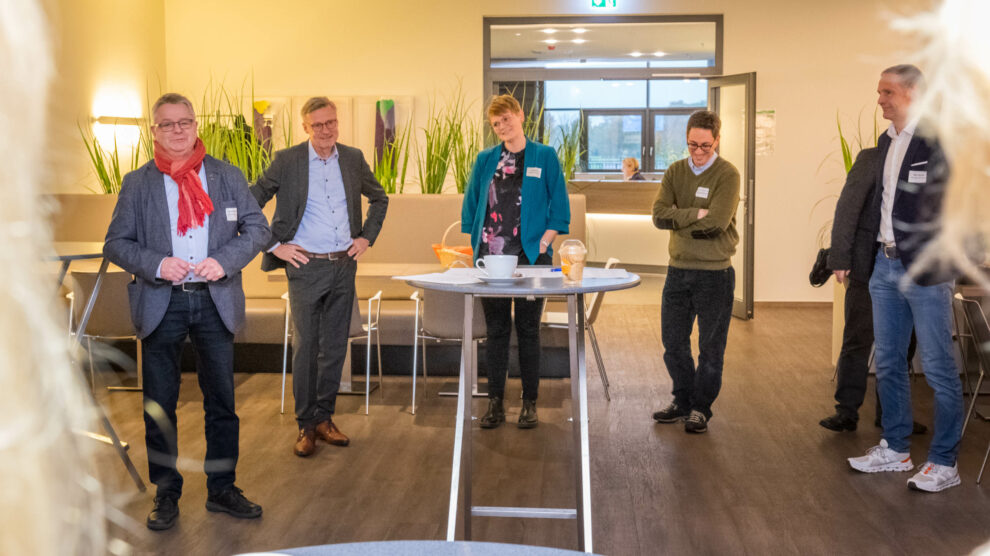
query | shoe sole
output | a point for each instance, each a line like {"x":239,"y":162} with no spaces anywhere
{"x":670,"y":420}
{"x":214,"y":507}
{"x":527,"y":425}
{"x":302,"y":454}
{"x":162,"y":527}
{"x":899,"y":466}
{"x":916,"y":486}
{"x":839,"y":428}
{"x":695,"y":431}
{"x":492,"y":425}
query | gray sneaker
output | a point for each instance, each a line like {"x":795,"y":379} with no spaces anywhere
{"x":672,"y":413}
{"x":696,"y":422}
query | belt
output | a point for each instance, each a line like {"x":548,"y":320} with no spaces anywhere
{"x":190,"y":287}
{"x":335,"y":256}
{"x":889,"y":250}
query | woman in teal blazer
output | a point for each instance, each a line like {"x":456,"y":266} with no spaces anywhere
{"x":516,"y":203}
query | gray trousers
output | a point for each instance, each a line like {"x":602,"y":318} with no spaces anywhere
{"x":321,"y":296}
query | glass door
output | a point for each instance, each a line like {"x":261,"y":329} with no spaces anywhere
{"x":733,"y":98}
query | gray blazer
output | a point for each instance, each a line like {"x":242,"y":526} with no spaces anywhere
{"x":854,"y":237}
{"x":140,"y":236}
{"x":288,"y":177}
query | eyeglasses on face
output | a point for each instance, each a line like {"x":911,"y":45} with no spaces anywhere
{"x":327,"y":125}
{"x":168,"y":126}
{"x":703,"y":147}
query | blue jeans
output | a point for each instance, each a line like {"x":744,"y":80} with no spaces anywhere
{"x":705,"y":295}
{"x":190,"y":314}
{"x":929,"y":310}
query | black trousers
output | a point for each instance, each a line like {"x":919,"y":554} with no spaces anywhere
{"x":194,"y":315}
{"x":321,"y":296}
{"x":498,"y":320}
{"x":853,"y":367}
{"x":705,"y":296}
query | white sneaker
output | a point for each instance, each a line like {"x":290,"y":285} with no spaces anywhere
{"x":881,"y":458}
{"x":934,"y":477}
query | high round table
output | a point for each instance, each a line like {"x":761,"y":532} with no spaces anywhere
{"x":460,"y":476}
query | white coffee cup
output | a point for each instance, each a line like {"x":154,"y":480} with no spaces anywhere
{"x":498,"y":266}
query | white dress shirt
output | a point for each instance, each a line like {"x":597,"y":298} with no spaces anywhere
{"x":891,"y":173}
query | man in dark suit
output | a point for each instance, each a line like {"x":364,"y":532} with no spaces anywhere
{"x":184,"y":226}
{"x":911,"y":176}
{"x":317,"y":230}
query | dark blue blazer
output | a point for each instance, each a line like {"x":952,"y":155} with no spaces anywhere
{"x":917,"y":200}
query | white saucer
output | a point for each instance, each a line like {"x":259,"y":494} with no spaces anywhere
{"x":501,"y":281}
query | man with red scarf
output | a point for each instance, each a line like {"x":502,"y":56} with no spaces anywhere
{"x":184,"y":226}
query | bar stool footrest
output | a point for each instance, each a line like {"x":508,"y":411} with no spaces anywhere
{"x":508,"y":511}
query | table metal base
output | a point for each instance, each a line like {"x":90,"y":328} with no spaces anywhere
{"x":355,"y":388}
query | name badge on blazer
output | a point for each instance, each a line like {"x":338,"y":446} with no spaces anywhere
{"x":917,"y":176}
{"x":534,"y":172}
{"x":231,"y":214}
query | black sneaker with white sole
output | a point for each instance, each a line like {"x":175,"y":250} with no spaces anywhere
{"x":696,"y":422}
{"x":672,"y":413}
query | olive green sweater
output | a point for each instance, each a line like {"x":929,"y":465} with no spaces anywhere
{"x":707,"y":243}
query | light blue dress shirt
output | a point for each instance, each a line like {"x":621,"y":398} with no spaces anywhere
{"x":193,"y":247}
{"x":699,"y":169}
{"x":325,"y":226}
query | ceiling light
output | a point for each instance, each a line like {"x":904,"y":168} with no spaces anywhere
{"x":580,"y":30}
{"x":578,"y":41}
{"x":518,"y":34}
{"x":659,"y":53}
{"x":636,"y":54}
{"x":550,"y":30}
{"x":551,"y":41}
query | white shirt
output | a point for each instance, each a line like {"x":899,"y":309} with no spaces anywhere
{"x":891,"y":173}
{"x":194,"y":247}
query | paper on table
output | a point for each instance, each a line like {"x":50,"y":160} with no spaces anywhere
{"x":451,"y":276}
{"x":605,"y":273}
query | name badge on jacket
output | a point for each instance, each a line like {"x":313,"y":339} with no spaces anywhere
{"x":231,"y":214}
{"x":917,"y":176}
{"x":534,"y":172}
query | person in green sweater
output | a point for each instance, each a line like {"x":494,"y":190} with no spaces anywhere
{"x":697,"y":202}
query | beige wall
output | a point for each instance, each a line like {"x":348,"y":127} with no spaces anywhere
{"x":811,"y":59}
{"x":107,"y":53}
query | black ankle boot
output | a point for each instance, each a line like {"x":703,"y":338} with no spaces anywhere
{"x":527,"y":418}
{"x":495,"y":415}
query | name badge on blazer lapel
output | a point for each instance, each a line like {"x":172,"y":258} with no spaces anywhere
{"x":534,"y":172}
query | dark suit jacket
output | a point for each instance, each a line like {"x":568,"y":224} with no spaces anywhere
{"x":140,"y":236}
{"x":854,"y":240}
{"x":288,"y":178}
{"x":917,"y":206}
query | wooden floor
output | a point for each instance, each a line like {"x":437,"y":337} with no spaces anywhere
{"x":766,"y":479}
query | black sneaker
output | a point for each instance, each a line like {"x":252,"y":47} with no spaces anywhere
{"x":527,"y":418}
{"x":838,"y":423}
{"x":231,"y":500}
{"x":164,"y":514}
{"x":495,"y":415}
{"x":696,"y":422}
{"x":673,"y":413}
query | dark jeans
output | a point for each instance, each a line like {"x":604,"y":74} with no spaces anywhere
{"x":498,"y":320}
{"x":191,"y":314}
{"x":321,"y":296}
{"x":853,"y":365}
{"x":707,"y":296}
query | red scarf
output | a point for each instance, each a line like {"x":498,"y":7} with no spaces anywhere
{"x":194,"y":204}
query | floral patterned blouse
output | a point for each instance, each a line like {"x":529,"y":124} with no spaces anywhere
{"x":500,"y":234}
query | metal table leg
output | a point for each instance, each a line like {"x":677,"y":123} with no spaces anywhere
{"x":579,"y":408}
{"x":460,"y":475}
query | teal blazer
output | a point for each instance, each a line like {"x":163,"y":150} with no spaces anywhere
{"x":545,"y":205}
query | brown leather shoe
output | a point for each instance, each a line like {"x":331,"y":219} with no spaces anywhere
{"x":306,"y":443}
{"x":330,"y":434}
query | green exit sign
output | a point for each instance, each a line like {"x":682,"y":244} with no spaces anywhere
{"x":603,"y":3}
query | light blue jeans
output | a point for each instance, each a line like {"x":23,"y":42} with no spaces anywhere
{"x":929,"y":310}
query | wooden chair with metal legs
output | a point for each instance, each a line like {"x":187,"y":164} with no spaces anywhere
{"x":360,"y":329}
{"x":110,"y":319}
{"x":979,"y":330}
{"x":440,"y":318}
{"x":553,"y":319}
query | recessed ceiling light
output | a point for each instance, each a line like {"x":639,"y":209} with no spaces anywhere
{"x":659,"y":53}
{"x":518,"y":34}
{"x":636,"y":54}
{"x":550,"y":31}
{"x":551,"y":41}
{"x":580,"y":30}
{"x":578,"y":41}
